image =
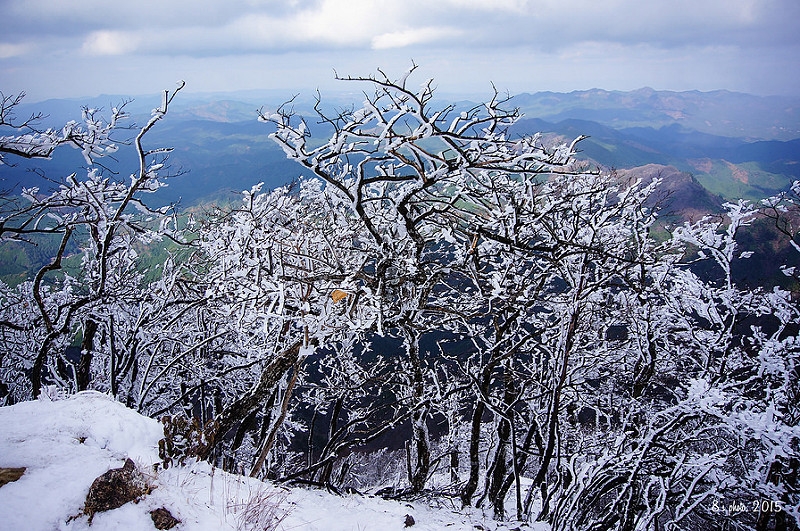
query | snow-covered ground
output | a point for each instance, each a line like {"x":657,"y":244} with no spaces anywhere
{"x":66,"y":444}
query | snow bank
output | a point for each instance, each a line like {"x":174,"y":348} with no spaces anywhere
{"x":66,"y":444}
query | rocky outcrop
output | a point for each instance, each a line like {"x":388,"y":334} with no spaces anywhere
{"x":7,"y":475}
{"x":114,"y":489}
{"x":163,"y":519}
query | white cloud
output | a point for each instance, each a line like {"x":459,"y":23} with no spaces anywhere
{"x":326,"y":24}
{"x":514,"y":6}
{"x":109,"y":43}
{"x":340,"y":21}
{"x":13,"y":50}
{"x":409,"y":37}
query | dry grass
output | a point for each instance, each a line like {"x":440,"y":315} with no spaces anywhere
{"x":264,"y":510}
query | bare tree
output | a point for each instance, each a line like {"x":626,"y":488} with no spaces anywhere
{"x":102,"y":218}
{"x":92,"y":136}
{"x":403,"y":169}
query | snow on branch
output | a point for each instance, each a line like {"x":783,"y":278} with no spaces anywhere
{"x":92,"y":136}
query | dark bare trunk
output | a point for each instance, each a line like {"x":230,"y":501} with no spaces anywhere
{"x":83,"y":376}
{"x":241,"y":408}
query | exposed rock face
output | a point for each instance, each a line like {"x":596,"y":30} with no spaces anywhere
{"x":163,"y":519}
{"x":7,"y":475}
{"x":114,"y":489}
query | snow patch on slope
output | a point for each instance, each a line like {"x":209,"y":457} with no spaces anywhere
{"x":66,"y":444}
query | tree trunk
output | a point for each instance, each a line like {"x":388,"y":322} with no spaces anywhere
{"x":419,"y":418}
{"x":238,"y":410}
{"x":496,"y":489}
{"x":555,"y":405}
{"x":83,"y":375}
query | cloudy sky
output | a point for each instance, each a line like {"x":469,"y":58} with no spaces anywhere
{"x":74,"y":48}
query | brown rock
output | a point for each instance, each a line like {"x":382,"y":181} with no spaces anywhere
{"x":163,"y":519}
{"x":7,"y":475}
{"x":114,"y":489}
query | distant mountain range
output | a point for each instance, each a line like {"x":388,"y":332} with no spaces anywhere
{"x":720,"y":112}
{"x":733,"y":144}
{"x":729,"y":167}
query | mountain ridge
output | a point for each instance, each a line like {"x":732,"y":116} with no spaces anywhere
{"x":720,"y":112}
{"x":218,"y":139}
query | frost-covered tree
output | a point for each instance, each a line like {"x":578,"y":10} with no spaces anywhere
{"x":103,"y":219}
{"x":690,"y":436}
{"x":404,"y":170}
{"x":27,"y":140}
{"x":276,"y":269}
{"x":499,"y":317}
{"x":549,"y":288}
{"x":591,"y":345}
